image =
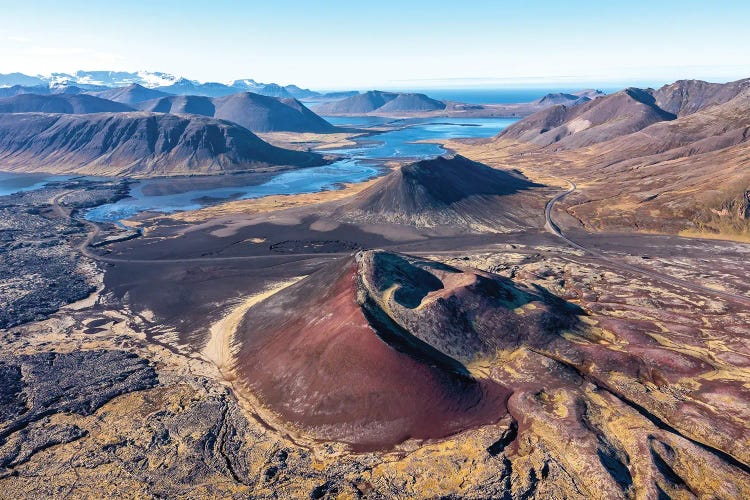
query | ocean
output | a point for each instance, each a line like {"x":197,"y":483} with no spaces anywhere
{"x":499,"y":96}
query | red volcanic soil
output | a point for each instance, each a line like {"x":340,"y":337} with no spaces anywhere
{"x":342,"y":372}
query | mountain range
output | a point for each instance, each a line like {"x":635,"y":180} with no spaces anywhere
{"x":672,"y":159}
{"x":255,"y":112}
{"x":102,"y":80}
{"x":61,"y":103}
{"x":132,"y":88}
{"x":414,"y":105}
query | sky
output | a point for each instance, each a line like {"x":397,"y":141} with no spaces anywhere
{"x":384,"y":44}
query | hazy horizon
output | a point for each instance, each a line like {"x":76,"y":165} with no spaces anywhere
{"x":446,"y":85}
{"x":386,"y":45}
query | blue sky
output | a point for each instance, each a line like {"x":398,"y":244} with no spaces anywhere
{"x":387,"y":44}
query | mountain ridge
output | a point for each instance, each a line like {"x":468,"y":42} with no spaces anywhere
{"x":137,"y":144}
{"x":130,"y":95}
{"x":60,"y":103}
{"x":640,"y":166}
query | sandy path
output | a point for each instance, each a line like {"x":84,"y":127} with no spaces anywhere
{"x":218,"y":349}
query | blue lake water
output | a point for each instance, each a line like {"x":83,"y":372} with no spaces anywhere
{"x":11,"y":182}
{"x":358,"y":121}
{"x":359,"y":163}
{"x":309,"y":180}
{"x":402,"y":143}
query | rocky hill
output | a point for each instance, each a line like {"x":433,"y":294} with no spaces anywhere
{"x":685,"y":97}
{"x":596,"y":121}
{"x":445,"y":191}
{"x":267,"y":114}
{"x":179,"y":105}
{"x":365,"y":351}
{"x":253,"y":111}
{"x":411,"y":103}
{"x":357,"y":104}
{"x":565,"y":98}
{"x":376,"y":101}
{"x":136,"y":144}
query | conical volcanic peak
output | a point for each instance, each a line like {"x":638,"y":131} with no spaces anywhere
{"x":373,"y":350}
{"x":445,"y":191}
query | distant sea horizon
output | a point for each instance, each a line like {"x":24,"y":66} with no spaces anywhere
{"x":493,"y":96}
{"x":503,"y":95}
{"x":500,"y":96}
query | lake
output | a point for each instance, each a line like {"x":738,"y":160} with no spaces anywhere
{"x":151,"y":196}
{"x":11,"y":182}
{"x":401,"y":143}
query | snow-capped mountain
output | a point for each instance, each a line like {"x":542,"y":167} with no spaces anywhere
{"x":112,"y":79}
{"x":271,"y":89}
{"x":93,"y":81}
{"x":247,"y":83}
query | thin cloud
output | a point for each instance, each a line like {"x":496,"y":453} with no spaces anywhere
{"x":19,"y":39}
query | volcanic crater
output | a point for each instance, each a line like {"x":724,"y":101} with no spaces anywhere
{"x":377,"y":348}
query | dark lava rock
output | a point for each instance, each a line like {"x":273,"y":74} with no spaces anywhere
{"x":37,"y":386}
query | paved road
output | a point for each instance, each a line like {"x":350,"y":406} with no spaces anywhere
{"x":618,"y":263}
